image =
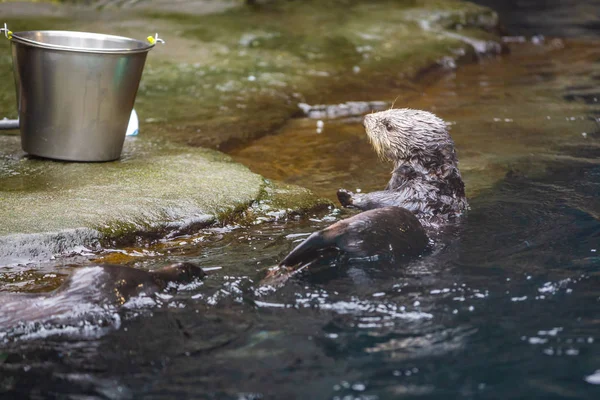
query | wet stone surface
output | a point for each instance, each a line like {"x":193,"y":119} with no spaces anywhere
{"x":155,"y":189}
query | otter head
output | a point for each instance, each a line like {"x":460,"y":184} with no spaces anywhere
{"x":402,"y":135}
{"x":179,"y":273}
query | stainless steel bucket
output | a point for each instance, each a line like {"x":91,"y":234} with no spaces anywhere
{"x":75,"y":92}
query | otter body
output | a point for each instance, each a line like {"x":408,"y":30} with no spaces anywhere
{"x":388,"y":231}
{"x":90,"y":287}
{"x":426,"y":190}
{"x":426,"y":179}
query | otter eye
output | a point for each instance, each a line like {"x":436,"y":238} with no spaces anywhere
{"x":387,"y":125}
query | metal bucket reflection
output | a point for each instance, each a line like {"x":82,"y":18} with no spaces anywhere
{"x":75,"y":92}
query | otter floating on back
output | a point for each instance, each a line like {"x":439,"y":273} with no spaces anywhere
{"x":425,"y":181}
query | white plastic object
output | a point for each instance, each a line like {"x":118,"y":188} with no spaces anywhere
{"x":134,"y":125}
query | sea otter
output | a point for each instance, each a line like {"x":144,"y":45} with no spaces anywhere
{"x":426,"y":190}
{"x":425,"y":178}
{"x":88,"y":288}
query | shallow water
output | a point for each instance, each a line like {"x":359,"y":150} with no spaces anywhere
{"x":506,"y":306}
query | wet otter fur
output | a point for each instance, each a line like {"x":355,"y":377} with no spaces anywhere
{"x":98,"y":284}
{"x":127,"y":282}
{"x":425,"y":179}
{"x":425,"y":190}
{"x":386,"y":231}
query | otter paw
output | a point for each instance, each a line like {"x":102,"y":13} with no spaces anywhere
{"x":345,"y":197}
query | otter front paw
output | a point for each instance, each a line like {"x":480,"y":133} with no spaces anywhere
{"x":345,"y":197}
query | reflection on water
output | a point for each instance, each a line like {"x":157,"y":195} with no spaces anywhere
{"x":505,"y":307}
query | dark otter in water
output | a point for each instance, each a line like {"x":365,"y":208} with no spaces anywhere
{"x":426,"y":190}
{"x":391,"y":231}
{"x":90,"y":287}
{"x":125,"y":282}
{"x":425,"y":179}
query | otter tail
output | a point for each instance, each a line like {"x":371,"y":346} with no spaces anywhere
{"x":308,"y":250}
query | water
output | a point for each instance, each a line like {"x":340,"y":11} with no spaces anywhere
{"x":506,"y":306}
{"x":564,"y":18}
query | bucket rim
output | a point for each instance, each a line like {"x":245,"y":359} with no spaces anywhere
{"x":18,"y":37}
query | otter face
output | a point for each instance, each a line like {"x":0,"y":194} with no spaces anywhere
{"x":402,"y":134}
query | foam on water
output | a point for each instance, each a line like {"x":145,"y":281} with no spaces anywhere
{"x":594,"y":378}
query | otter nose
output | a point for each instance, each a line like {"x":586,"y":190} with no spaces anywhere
{"x":366,"y":119}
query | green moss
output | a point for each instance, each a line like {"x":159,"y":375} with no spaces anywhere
{"x":121,"y":233}
{"x":237,"y":215}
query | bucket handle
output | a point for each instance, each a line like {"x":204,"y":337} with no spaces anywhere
{"x":6,"y":31}
{"x":151,"y":39}
{"x":154,"y":39}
